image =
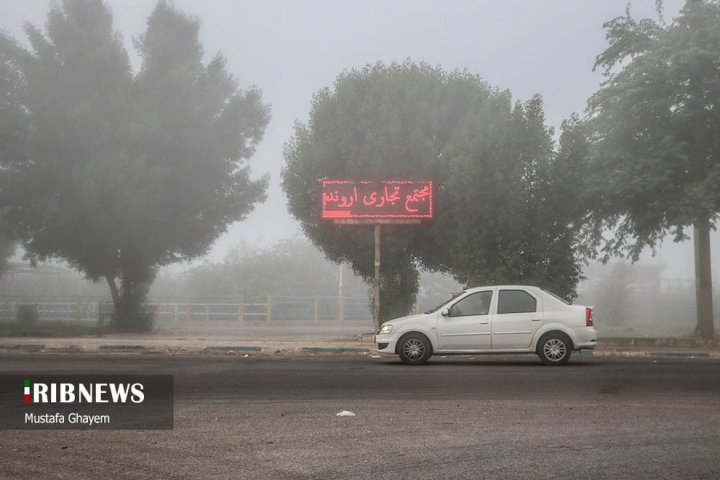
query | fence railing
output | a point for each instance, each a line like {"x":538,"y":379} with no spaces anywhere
{"x":642,"y":314}
{"x":236,"y":309}
{"x":60,"y":310}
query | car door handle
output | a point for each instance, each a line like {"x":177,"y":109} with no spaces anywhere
{"x":535,"y":319}
{"x":485,"y":322}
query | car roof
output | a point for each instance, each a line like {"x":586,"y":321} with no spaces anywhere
{"x":485,"y":287}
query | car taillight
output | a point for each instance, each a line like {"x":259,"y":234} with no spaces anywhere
{"x":588,"y":317}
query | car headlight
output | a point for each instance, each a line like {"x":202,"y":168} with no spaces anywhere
{"x":385,"y":329}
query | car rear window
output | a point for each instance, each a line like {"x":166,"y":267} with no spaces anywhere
{"x":516,"y":301}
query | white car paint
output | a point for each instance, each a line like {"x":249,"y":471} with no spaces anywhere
{"x":494,"y":332}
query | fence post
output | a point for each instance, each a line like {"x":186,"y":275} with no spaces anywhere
{"x":207,"y":312}
{"x":316,"y":313}
{"x":241,"y":309}
{"x":188,"y":312}
{"x":341,"y":308}
{"x":269,"y":307}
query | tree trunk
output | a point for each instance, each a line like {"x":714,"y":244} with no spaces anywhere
{"x":131,"y":312}
{"x":703,"y":283}
{"x":113,"y":289}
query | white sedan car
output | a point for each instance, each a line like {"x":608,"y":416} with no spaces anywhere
{"x":499,"y":319}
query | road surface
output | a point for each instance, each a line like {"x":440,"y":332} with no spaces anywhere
{"x":275,"y":417}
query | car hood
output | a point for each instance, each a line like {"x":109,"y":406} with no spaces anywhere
{"x":398,"y":322}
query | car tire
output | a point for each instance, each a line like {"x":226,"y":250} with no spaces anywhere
{"x":554,"y":348}
{"x":414,"y":349}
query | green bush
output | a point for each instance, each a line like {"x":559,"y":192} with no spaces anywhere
{"x":134,"y":318}
{"x":27,"y":314}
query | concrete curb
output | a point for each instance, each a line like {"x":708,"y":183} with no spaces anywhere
{"x":22,"y":346}
{"x":658,"y":342}
{"x":238,"y":348}
{"x":115,"y":347}
{"x":654,"y":354}
{"x":335,"y":350}
{"x":679,"y":354}
{"x":173,"y":345}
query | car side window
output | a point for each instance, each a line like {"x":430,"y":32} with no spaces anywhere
{"x":474,"y":304}
{"x":516,"y":301}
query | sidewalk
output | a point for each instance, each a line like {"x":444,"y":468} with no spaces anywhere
{"x":362,"y":345}
{"x":174,"y":344}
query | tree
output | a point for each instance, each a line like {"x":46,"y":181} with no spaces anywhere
{"x":7,"y":250}
{"x":653,"y":128}
{"x":414,"y":121}
{"x":382,"y":122}
{"x":280,"y":270}
{"x":613,"y":289}
{"x":124,"y":172}
{"x":13,"y":132}
{"x":513,"y":203}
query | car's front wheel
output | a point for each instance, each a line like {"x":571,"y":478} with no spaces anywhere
{"x":554,"y":349}
{"x":414,"y":349}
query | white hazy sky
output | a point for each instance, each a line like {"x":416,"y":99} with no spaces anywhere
{"x":291,"y":49}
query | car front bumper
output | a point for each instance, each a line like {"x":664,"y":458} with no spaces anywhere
{"x":386,"y":343}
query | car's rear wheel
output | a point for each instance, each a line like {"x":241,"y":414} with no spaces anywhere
{"x":554,"y":348}
{"x":414,"y":349}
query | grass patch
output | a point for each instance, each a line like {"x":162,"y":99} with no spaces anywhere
{"x":49,"y":329}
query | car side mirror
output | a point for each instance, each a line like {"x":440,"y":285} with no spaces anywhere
{"x":445,"y":312}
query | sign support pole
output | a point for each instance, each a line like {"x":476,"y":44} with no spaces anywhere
{"x":376,"y":280}
{"x":376,"y":301}
{"x":365,"y":202}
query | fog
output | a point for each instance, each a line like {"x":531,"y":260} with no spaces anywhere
{"x":292,"y":49}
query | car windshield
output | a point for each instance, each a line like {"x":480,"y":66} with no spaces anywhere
{"x":435,"y":309}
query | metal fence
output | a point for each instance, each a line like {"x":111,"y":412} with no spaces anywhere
{"x":664,"y":312}
{"x":59,"y":309}
{"x":224,"y":309}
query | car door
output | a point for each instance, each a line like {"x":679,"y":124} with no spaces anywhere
{"x":517,"y":318}
{"x":467,"y":323}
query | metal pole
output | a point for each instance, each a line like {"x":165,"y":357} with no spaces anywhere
{"x":341,"y":306}
{"x":376,"y":302}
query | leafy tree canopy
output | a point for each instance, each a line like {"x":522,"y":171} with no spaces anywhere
{"x":119,"y":172}
{"x":498,"y":216}
{"x":653,"y":130}
{"x":653,"y":127}
{"x":7,"y":249}
{"x":280,"y":270}
{"x":514,"y":203}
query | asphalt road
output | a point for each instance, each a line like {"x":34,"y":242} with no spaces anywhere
{"x":494,"y":417}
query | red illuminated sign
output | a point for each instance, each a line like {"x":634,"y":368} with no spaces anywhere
{"x":384,"y":199}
